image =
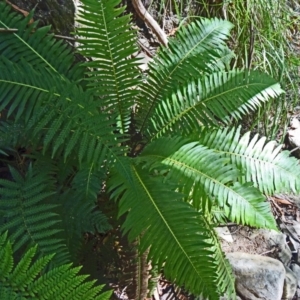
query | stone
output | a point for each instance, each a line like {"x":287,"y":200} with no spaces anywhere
{"x":257,"y":277}
{"x":226,"y":298}
{"x":296,"y":269}
{"x":293,"y":137}
{"x":278,"y":240}
{"x":290,"y":285}
{"x":224,"y":233}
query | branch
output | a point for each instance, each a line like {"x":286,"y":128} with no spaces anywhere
{"x":148,"y":19}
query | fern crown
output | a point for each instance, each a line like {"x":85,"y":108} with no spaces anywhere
{"x":159,"y":144}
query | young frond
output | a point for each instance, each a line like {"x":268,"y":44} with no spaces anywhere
{"x":198,"y":49}
{"x":175,"y":239}
{"x":34,"y":45}
{"x":28,"y":279}
{"x":209,"y":175}
{"x":26,"y":213}
{"x":105,"y":36}
{"x":211,"y":99}
{"x":270,"y":169}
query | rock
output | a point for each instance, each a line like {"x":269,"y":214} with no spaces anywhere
{"x":144,"y":61}
{"x":278,"y":240}
{"x":257,"y":277}
{"x":292,"y":138}
{"x":290,"y":285}
{"x":296,"y":269}
{"x":224,"y":233}
{"x":225,"y":298}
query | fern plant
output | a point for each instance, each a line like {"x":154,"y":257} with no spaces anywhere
{"x":160,"y":145}
{"x":28,"y":279}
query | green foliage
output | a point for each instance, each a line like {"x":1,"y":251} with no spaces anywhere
{"x":160,"y":146}
{"x":263,"y":38}
{"x":26,"y":211}
{"x":28,"y":279}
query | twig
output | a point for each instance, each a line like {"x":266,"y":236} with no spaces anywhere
{"x":9,"y":30}
{"x":294,"y":149}
{"x":270,"y":251}
{"x":145,"y":49}
{"x":64,"y":37}
{"x":148,"y":19}
{"x":227,"y":224}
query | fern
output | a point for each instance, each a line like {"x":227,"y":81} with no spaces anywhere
{"x":79,"y":211}
{"x":156,"y":214}
{"x":186,"y":58}
{"x":97,"y":125}
{"x":36,"y":45}
{"x":28,"y":216}
{"x":219,"y":96}
{"x":86,"y":129}
{"x":28,"y":279}
{"x":105,"y":36}
{"x":211,"y":176}
{"x":261,"y":162}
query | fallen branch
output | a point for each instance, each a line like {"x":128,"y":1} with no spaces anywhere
{"x":148,"y":19}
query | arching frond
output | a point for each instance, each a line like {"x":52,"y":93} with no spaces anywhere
{"x":35,"y":45}
{"x":28,"y":280}
{"x":212,"y":99}
{"x":262,"y":163}
{"x":175,"y":239}
{"x":112,"y":73}
{"x":57,"y":114}
{"x":27,"y":214}
{"x":208,"y":174}
{"x":198,"y":49}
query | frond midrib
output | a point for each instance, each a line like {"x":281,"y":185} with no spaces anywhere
{"x":200,"y":103}
{"x":164,"y":221}
{"x":102,"y":139}
{"x":157,"y":92}
{"x":116,"y":86}
{"x":181,"y":165}
{"x":35,"y":52}
{"x":255,"y":159}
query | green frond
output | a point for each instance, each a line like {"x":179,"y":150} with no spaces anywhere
{"x":79,"y":210}
{"x":8,"y":294}
{"x":35,"y":45}
{"x":6,"y":254}
{"x":198,"y":49}
{"x":58,"y":114}
{"x":210,"y":175}
{"x":225,"y":279}
{"x":270,"y":169}
{"x":112,"y":72}
{"x":180,"y":241}
{"x":28,"y":279}
{"x":11,"y":136}
{"x":27,"y":215}
{"x":211,"y":99}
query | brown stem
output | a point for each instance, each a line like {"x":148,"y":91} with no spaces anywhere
{"x":148,"y":19}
